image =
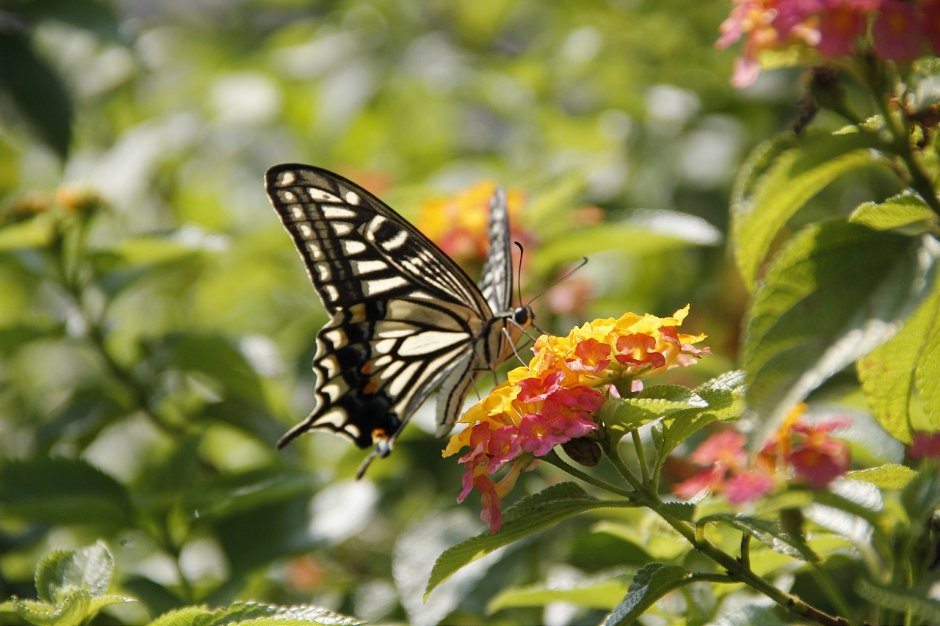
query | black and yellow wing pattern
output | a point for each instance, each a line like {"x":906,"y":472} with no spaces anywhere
{"x":405,"y":319}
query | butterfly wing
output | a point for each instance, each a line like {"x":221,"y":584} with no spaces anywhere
{"x":403,"y":315}
{"x":496,"y":286}
{"x":496,"y":279}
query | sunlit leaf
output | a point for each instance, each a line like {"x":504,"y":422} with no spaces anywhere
{"x":900,"y":376}
{"x":600,"y":591}
{"x":649,"y":584}
{"x":896,"y":598}
{"x":905,"y":213}
{"x":778,"y":180}
{"x":832,"y":295}
{"x":528,"y":516}
{"x":885,"y":476}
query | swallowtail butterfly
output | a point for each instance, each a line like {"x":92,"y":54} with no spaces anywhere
{"x":405,"y":319}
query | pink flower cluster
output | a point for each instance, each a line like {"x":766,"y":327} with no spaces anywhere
{"x":899,"y":30}
{"x":541,"y":415}
{"x":815,"y":457}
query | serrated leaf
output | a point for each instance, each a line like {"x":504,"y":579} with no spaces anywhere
{"x":890,"y":476}
{"x":905,"y":213}
{"x":261,"y":614}
{"x":834,"y":293}
{"x":723,"y":395}
{"x":187,"y":616}
{"x":60,"y":571}
{"x":650,"y":584}
{"x":895,"y":598}
{"x":528,"y":516}
{"x":778,"y":181}
{"x":648,"y":405}
{"x":767,"y":532}
{"x":908,"y":362}
{"x":72,"y":609}
{"x":599,"y":592}
{"x":63,"y":490}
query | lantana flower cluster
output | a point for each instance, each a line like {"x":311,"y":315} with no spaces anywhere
{"x":808,"y":451}
{"x":894,"y":30}
{"x":556,"y":397}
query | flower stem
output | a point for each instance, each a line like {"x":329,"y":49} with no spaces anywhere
{"x":552,"y":458}
{"x":640,"y":456}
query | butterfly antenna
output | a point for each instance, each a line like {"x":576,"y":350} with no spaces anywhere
{"x":563,"y":277}
{"x":519,"y":270}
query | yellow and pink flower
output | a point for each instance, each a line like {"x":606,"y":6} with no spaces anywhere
{"x":900,"y":31}
{"x":556,"y":397}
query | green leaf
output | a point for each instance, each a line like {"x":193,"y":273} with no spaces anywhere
{"x":904,"y":370}
{"x":649,"y":232}
{"x":60,"y":571}
{"x":779,"y":179}
{"x":255,"y":614}
{"x":63,"y":490}
{"x":599,"y":592}
{"x":34,"y":87}
{"x":648,"y":405}
{"x":905,"y":213}
{"x":72,"y":609}
{"x":767,"y":532}
{"x":922,"y":495}
{"x":891,"y":476}
{"x":724,"y":399}
{"x":187,"y":616}
{"x":16,"y":336}
{"x":31,"y":233}
{"x":649,"y":584}
{"x":217,"y":358}
{"x":834,"y":293}
{"x":901,"y":599}
{"x":528,"y":516}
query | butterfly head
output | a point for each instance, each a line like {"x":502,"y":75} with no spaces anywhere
{"x":524,"y":316}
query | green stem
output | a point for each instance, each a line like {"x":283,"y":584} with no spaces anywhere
{"x":552,"y":458}
{"x":900,"y":143}
{"x":68,"y":277}
{"x":738,"y":570}
{"x":640,"y":456}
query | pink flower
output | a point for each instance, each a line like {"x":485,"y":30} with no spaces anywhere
{"x":897,"y":31}
{"x":747,"y":486}
{"x":840,"y":25}
{"x":931,"y":24}
{"x":535,"y":389}
{"x":726,"y":447}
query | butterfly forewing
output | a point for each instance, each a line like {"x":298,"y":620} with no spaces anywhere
{"x":404,"y":317}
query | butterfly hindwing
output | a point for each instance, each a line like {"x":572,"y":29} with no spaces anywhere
{"x":403,"y":316}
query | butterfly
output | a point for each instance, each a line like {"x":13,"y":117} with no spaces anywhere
{"x":405,"y":319}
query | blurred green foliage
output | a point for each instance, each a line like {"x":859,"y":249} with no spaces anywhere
{"x":156,"y":326}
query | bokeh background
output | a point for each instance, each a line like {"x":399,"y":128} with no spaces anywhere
{"x":156,"y":325}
